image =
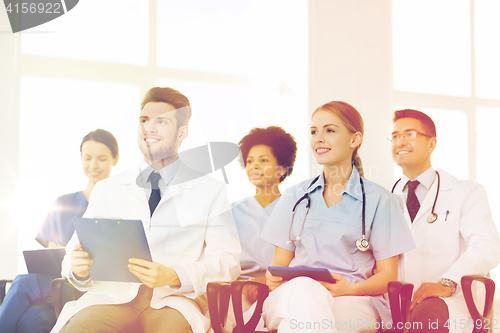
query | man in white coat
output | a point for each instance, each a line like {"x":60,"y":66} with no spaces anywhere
{"x":451,"y":224}
{"x":188,"y":224}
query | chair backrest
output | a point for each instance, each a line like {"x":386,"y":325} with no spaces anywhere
{"x":482,"y":322}
{"x":400,"y":300}
{"x":3,"y":285}
{"x":219,"y":294}
{"x":57,"y":294}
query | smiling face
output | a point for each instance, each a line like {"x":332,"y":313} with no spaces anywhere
{"x":331,"y":142}
{"x":97,"y":160}
{"x":157,"y":135}
{"x":262,"y":166}
{"x":413,"y":156}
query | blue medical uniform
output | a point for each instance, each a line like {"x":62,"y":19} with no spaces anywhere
{"x":329,"y":235}
{"x":256,"y":253}
{"x":58,"y":226}
{"x":28,"y":305}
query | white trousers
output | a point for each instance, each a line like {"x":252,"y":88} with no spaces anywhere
{"x":304,"y":305}
{"x":248,"y":310}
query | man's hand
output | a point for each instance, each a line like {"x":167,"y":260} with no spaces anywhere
{"x":428,"y":289}
{"x":153,"y":274}
{"x":80,"y":263}
{"x":342,"y":287}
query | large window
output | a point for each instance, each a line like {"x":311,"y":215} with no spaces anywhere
{"x":446,"y":63}
{"x":235,"y":60}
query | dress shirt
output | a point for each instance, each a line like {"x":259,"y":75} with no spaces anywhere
{"x":426,"y":180}
{"x":166,"y":175}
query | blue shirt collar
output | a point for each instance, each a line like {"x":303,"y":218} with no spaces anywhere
{"x":167,"y":173}
{"x":353,"y":187}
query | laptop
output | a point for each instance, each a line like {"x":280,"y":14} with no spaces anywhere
{"x":45,"y":261}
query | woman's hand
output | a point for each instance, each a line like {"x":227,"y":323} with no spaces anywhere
{"x":272,"y":281}
{"x":342,"y":287}
{"x":80,"y":263}
{"x":282,"y":258}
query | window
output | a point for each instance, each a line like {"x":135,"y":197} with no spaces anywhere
{"x":432,"y":47}
{"x":487,"y":141}
{"x":88,"y":33}
{"x":54,"y":118}
{"x":487,"y":51}
{"x":448,"y":67}
{"x":85,"y":71}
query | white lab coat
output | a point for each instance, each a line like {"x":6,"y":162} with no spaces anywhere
{"x":463,"y":240}
{"x":191,"y":228}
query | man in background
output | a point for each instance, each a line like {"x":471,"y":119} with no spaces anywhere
{"x":451,"y":224}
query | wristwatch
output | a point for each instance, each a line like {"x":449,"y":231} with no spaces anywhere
{"x":449,"y":283}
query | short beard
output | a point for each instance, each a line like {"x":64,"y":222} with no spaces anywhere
{"x":165,"y":156}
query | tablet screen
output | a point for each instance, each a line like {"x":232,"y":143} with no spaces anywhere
{"x":288,"y":273}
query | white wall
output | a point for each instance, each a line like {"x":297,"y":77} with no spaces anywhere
{"x":9,"y":146}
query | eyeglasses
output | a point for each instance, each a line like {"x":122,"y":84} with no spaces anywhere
{"x":408,"y":135}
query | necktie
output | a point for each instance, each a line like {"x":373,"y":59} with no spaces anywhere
{"x":155,"y":197}
{"x":412,"y":201}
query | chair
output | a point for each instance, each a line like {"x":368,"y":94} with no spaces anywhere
{"x":3,"y":285}
{"x":57,"y":294}
{"x":219,"y":294}
{"x":482,"y":322}
{"x":400,"y":300}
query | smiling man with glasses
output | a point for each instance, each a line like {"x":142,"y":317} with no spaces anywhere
{"x":451,"y":224}
{"x":407,"y":135}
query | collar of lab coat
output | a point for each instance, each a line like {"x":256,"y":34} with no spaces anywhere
{"x":167,"y":173}
{"x":446,"y":184}
{"x":447,"y":181}
{"x":183,"y":180}
{"x":426,"y":178}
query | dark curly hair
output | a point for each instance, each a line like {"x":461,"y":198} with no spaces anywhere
{"x":282,"y":144}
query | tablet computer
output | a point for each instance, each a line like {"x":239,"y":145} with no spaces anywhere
{"x":110,"y":244}
{"x":45,"y":261}
{"x":288,"y":273}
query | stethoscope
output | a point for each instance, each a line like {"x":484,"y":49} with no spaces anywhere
{"x":432,"y":216}
{"x":361,"y":243}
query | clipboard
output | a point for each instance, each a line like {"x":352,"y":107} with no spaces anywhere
{"x":288,"y":273}
{"x":110,"y":244}
{"x":45,"y":261}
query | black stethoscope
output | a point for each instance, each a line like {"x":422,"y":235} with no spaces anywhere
{"x":432,"y":216}
{"x":362,"y":243}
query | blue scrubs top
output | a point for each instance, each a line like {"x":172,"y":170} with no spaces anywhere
{"x":256,"y":253}
{"x":58,"y":226}
{"x":329,"y":236}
